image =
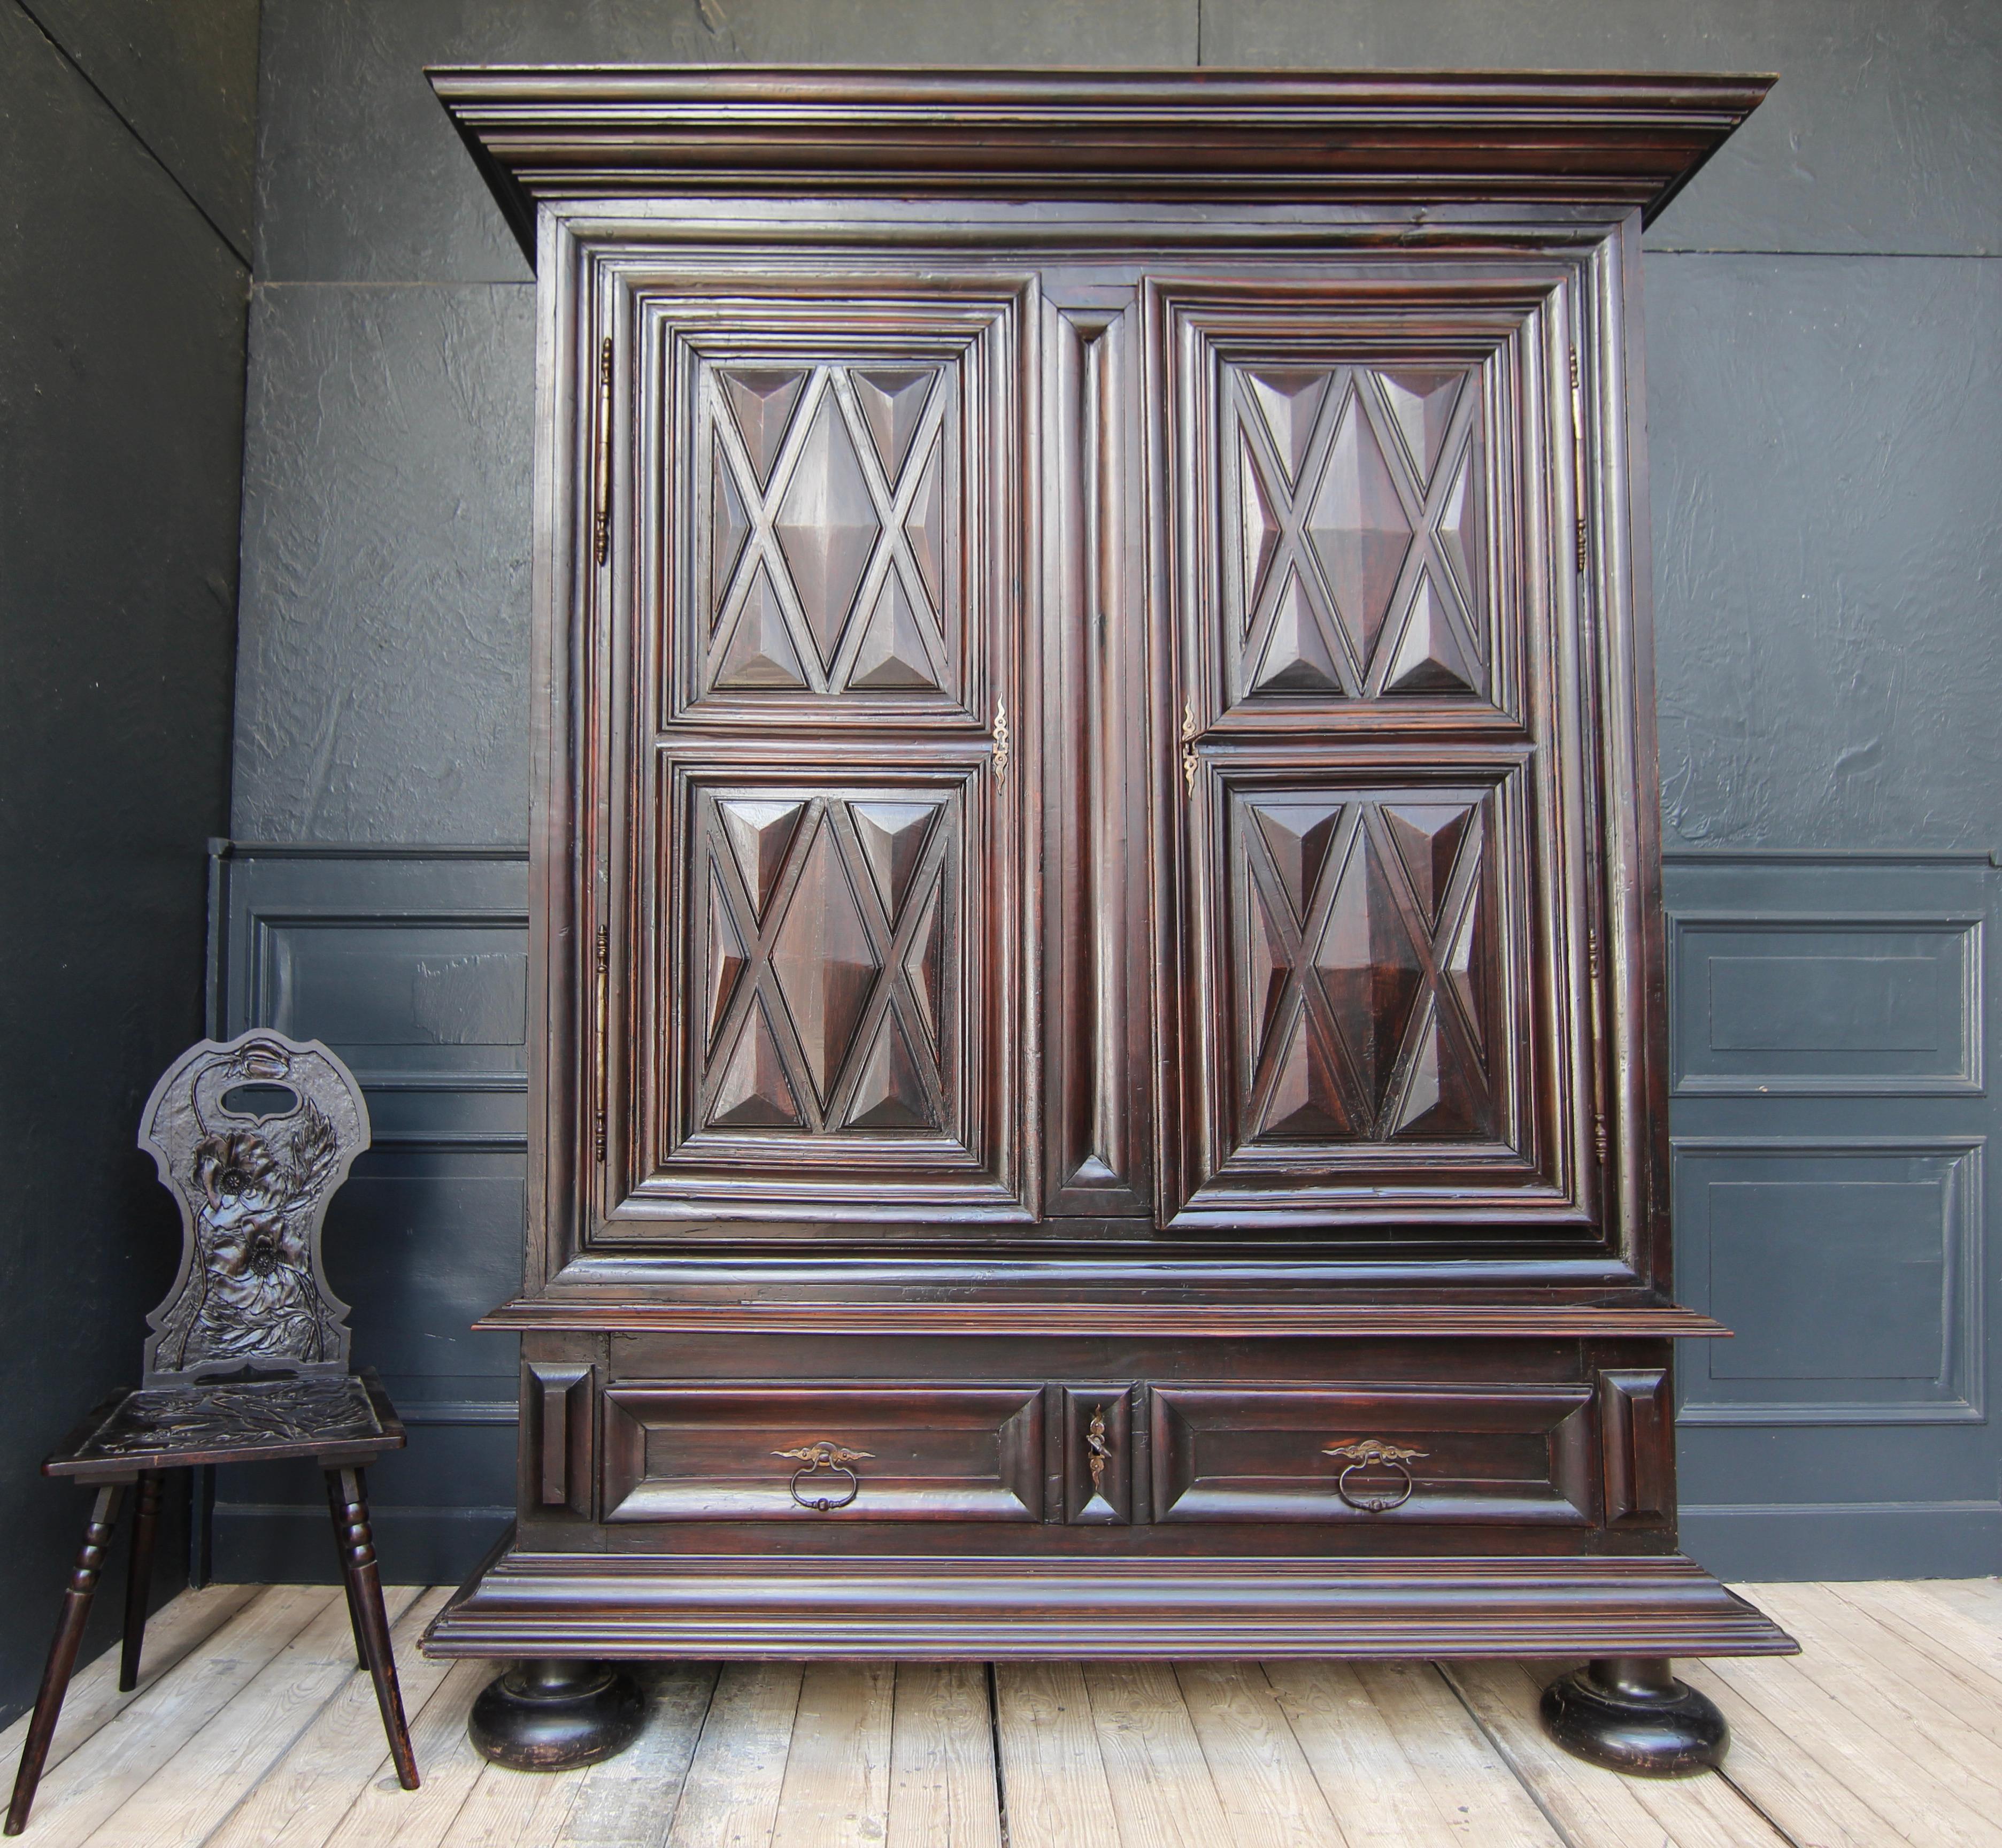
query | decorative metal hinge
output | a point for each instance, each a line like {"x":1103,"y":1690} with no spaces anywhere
{"x":604,"y":1034}
{"x":1578,"y":455}
{"x":1190,"y":762}
{"x":601,"y":486}
{"x":1001,"y":745}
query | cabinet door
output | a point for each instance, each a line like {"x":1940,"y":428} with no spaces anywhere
{"x":815,"y":915}
{"x":1380,"y":911}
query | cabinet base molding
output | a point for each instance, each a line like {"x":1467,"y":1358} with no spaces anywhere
{"x":599,"y":1605}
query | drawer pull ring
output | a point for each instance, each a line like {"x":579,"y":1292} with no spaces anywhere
{"x":824,"y":1455}
{"x":1373,"y":1453}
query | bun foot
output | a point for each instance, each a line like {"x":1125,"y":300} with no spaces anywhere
{"x":552,"y":1715}
{"x":1629,"y":1714}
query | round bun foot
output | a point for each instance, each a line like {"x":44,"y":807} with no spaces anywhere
{"x":1629,"y":1714}
{"x":552,"y":1715}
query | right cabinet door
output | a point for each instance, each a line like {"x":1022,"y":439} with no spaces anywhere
{"x":1377,"y":958}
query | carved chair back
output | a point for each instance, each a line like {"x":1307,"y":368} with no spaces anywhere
{"x":252,"y":1138}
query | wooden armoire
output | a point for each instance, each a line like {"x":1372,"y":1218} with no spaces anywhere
{"x":1097,"y":995}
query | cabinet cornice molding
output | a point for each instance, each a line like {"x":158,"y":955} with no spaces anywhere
{"x":1613,"y":140}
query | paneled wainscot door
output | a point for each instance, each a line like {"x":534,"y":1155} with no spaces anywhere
{"x":1097,"y":1035}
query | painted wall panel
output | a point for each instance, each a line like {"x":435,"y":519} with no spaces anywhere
{"x":121,"y":366}
{"x":1824,"y":318}
{"x":382,"y":683}
{"x":1879,"y":137}
{"x":1778,"y":1006}
{"x":411,"y":966}
{"x":1831,"y":1205}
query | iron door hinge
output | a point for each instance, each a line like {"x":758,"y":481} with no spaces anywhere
{"x":601,"y":485}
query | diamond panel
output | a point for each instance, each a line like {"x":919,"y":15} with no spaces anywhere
{"x":729,"y":525}
{"x":893,"y":836}
{"x":761,"y":406}
{"x":892,"y":652}
{"x":924,"y":524}
{"x":924,"y":961}
{"x":1369,"y":971}
{"x":827,"y":526}
{"x":1297,"y":658}
{"x":1260,"y":526}
{"x":1441,"y":1097}
{"x":892,"y":404}
{"x":825,"y":962}
{"x":724,"y":960}
{"x":754,"y":1092}
{"x":1298,"y":835}
{"x":760,"y":652}
{"x":1358,"y":528}
{"x":1459,"y":529}
{"x":1422,"y":404}
{"x":890,"y":1093}
{"x":1290,"y":402}
{"x":1429,"y":658}
{"x":1427,"y":837}
{"x":759,"y":833}
{"x":1306,"y":1104}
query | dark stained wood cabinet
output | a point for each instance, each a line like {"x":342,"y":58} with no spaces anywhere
{"x":1098,"y":1014}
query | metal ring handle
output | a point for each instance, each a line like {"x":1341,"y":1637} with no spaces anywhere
{"x":822,"y":1504}
{"x":1375,"y":1505}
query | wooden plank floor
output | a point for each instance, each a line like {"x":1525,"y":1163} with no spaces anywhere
{"x":251,"y":1726}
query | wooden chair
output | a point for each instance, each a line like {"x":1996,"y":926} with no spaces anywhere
{"x":248,"y":1361}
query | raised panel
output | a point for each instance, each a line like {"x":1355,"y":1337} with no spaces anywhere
{"x":675,"y":1452}
{"x":1369,"y":1023}
{"x":1505,"y":1455}
{"x":1637,"y":1421}
{"x":1350,"y":533}
{"x":1098,"y":1455}
{"x":1849,"y":1272}
{"x":824,"y":1043}
{"x":1358,"y":498}
{"x":1780,"y":1005}
{"x":840,"y":519}
{"x":558,"y":1455}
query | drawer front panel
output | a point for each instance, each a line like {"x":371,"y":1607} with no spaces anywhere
{"x":675,"y":1452}
{"x":1504,"y":1454}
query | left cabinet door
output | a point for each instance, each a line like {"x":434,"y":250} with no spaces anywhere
{"x":816,"y":670}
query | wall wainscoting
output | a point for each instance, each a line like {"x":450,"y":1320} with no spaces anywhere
{"x":1831,"y":1119}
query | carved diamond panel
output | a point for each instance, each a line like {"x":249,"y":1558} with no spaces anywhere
{"x":832,"y":533}
{"x":1359,"y":922}
{"x":1352,"y":504}
{"x":823,"y":962}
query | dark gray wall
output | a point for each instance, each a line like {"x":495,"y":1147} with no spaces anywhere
{"x":1823,"y":310}
{"x":126,"y":164}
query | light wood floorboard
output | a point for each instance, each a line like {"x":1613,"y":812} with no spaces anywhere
{"x":253,"y":1725}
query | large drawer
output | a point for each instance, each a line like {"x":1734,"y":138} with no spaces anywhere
{"x":758,"y":1452}
{"x":1508,"y":1454}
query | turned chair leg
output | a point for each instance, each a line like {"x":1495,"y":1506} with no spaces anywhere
{"x":347,"y":1493}
{"x":139,"y":1577}
{"x":353,"y":1611}
{"x":62,"y":1654}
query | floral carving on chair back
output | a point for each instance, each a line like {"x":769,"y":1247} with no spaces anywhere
{"x":253,"y":1190}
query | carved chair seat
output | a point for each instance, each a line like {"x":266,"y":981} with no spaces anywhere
{"x":247,"y":1359}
